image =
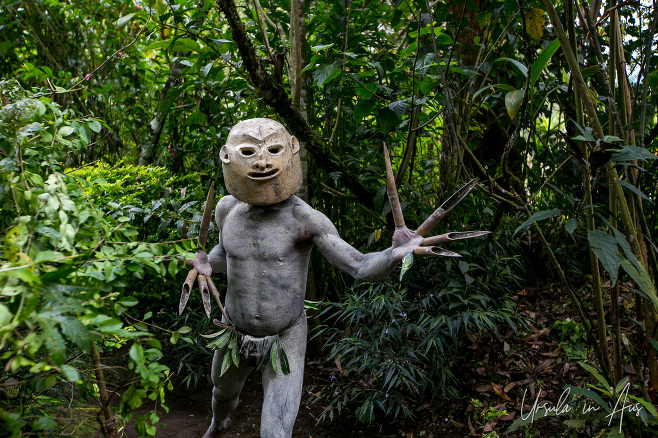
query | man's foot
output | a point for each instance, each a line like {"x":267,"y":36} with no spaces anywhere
{"x":218,"y":434}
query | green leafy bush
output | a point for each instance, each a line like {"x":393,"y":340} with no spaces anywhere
{"x":394,"y":342}
{"x":63,"y":271}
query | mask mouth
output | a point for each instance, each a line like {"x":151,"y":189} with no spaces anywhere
{"x":264,"y":176}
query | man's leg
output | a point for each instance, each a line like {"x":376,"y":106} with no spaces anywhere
{"x":283,"y":392}
{"x":226,"y":392}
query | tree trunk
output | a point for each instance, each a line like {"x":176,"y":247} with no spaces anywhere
{"x":149,"y":148}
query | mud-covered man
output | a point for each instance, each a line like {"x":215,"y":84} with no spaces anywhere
{"x":266,"y":237}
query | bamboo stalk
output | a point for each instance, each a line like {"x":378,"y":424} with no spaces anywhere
{"x":601,"y":327}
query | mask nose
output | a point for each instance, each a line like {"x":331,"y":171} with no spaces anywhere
{"x":262,"y":163}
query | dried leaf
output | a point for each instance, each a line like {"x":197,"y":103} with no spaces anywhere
{"x":544,"y":365}
{"x":470,"y":426}
{"x":484,"y":387}
{"x":508,"y":417}
{"x":513,"y":385}
{"x":499,"y":392}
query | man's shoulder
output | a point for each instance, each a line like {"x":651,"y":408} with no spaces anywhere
{"x":313,"y":220}
{"x":227,"y":202}
{"x":224,"y":206}
{"x":301,"y":209}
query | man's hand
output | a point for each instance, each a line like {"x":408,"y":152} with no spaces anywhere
{"x":201,"y":264}
{"x":202,"y":270}
{"x":406,"y":241}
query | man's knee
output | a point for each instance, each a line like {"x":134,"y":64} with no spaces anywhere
{"x":226,"y":397}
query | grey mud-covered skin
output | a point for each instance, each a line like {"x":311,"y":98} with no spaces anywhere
{"x":264,"y":251}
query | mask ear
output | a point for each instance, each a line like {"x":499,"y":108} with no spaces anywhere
{"x":223,"y":155}
{"x":294,"y":144}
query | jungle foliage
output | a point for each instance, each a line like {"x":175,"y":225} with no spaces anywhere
{"x":113,"y":114}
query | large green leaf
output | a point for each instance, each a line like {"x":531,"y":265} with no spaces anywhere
{"x":75,"y":331}
{"x":54,"y":342}
{"x":185,"y":45}
{"x":386,"y":119}
{"x":70,"y":373}
{"x":596,"y":375}
{"x":424,"y":63}
{"x":539,"y":216}
{"x":326,"y":72}
{"x":633,"y":189}
{"x":637,"y":272}
{"x":363,"y":109}
{"x":522,"y":68}
{"x":136,"y":353}
{"x":605,"y":248}
{"x":399,"y":107}
{"x":505,"y":87}
{"x":542,"y":61}
{"x":630,"y":153}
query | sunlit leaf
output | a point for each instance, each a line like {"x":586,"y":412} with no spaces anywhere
{"x":122,"y":21}
{"x":513,"y":101}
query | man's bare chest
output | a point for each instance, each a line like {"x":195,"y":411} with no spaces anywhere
{"x":273,"y":236}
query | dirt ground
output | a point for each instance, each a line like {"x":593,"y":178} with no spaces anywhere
{"x":190,"y":413}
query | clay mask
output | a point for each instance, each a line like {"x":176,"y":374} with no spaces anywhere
{"x":260,"y":162}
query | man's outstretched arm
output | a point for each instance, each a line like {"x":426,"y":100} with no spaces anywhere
{"x":367,"y":267}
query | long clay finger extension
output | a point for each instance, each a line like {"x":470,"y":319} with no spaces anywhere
{"x":207,"y":214}
{"x":451,"y":237}
{"x":187,"y":287}
{"x":215,"y":294}
{"x":392,"y":192}
{"x":205,"y":295}
{"x":434,"y":251}
{"x":448,"y":205}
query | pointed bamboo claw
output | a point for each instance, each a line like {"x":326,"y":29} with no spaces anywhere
{"x":448,"y":205}
{"x":450,"y":237}
{"x":434,"y":251}
{"x":215,"y":294}
{"x":207,"y":213}
{"x":187,"y":287}
{"x":392,"y":192}
{"x":205,"y":295}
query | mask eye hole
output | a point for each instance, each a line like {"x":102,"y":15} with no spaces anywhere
{"x":247,"y":152}
{"x":275,"y":150}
